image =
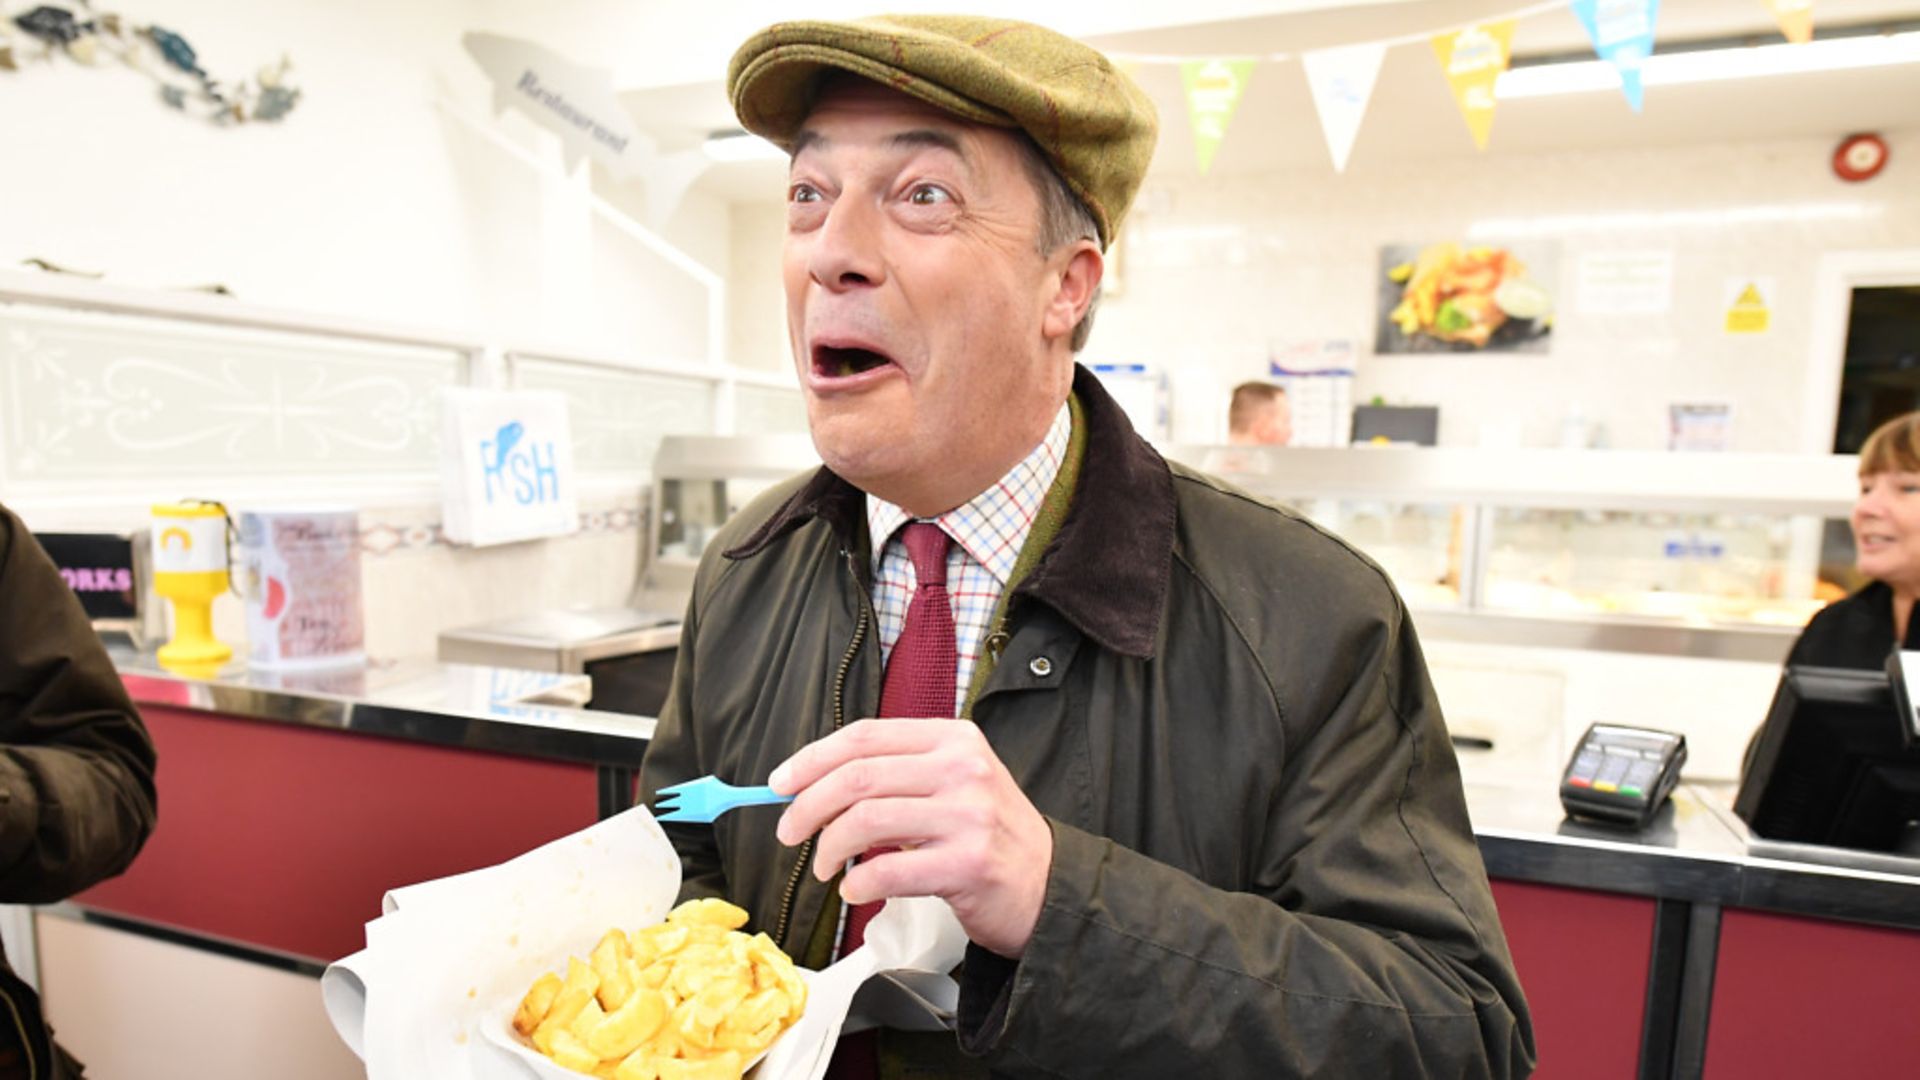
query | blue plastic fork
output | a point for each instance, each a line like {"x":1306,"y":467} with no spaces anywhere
{"x":707,"y":798}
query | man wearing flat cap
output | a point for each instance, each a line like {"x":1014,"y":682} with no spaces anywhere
{"x":1168,"y":752}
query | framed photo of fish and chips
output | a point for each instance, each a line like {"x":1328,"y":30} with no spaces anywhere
{"x":1457,"y":296}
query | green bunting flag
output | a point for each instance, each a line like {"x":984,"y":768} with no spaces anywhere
{"x":1214,"y":88}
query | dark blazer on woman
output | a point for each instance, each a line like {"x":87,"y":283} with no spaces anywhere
{"x":1853,"y":633}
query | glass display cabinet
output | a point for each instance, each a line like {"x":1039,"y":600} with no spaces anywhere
{"x":1709,"y":555}
{"x":1704,"y":555}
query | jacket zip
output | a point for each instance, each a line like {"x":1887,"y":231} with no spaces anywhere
{"x":839,"y":720}
{"x":26,"y":1046}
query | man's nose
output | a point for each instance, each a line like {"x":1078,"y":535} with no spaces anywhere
{"x":846,"y":249}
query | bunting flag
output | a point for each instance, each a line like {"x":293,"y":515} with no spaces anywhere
{"x":1622,"y":35}
{"x":1342,"y":83}
{"x":1795,"y":18}
{"x":1472,"y":60}
{"x":1213,"y":90}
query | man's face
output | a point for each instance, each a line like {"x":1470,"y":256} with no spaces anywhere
{"x":921,"y":314}
{"x":1278,"y":422}
{"x":1272,"y":425}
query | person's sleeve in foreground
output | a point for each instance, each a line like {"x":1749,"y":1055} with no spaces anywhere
{"x":76,"y":764}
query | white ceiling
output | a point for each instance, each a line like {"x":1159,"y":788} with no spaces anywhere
{"x":1412,"y":116}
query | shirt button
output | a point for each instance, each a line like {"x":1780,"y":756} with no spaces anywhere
{"x":1040,"y":666}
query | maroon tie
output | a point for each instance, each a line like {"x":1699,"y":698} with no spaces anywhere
{"x":919,"y":681}
{"x":920,"y":670}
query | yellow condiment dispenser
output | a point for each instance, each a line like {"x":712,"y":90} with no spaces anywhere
{"x":190,"y":569}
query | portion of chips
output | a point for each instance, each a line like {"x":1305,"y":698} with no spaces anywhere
{"x":691,"y":998}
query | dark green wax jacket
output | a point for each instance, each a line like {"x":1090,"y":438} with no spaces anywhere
{"x":76,"y":770}
{"x":1262,"y":861}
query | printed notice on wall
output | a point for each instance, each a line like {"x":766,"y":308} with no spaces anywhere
{"x":1699,"y":426}
{"x":1317,"y":375}
{"x":1749,"y":305}
{"x":1624,"y":283}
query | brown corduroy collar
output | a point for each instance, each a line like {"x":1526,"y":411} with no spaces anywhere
{"x":1106,"y":572}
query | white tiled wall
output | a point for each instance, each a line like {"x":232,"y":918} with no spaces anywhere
{"x":414,"y":590}
{"x":1219,"y":270}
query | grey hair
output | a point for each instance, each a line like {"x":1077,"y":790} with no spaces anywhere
{"x":1064,"y":220}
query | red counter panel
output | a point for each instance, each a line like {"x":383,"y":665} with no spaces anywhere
{"x":287,"y":837}
{"x":1582,"y":958}
{"x":1806,"y":997}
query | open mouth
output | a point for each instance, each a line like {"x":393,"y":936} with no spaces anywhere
{"x":839,"y":363}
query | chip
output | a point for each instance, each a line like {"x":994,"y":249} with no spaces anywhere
{"x":691,"y":998}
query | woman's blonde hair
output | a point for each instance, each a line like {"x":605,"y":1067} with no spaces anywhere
{"x":1893,"y":447}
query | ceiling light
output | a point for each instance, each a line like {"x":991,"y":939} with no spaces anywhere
{"x":1711,"y":65}
{"x":729,"y":146}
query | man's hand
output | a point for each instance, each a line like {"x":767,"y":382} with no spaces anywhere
{"x":935,"y":790}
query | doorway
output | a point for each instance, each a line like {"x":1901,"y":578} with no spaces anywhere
{"x":1866,"y":370}
{"x":1880,"y":372}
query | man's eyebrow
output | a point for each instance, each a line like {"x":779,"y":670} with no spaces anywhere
{"x":919,"y":138}
{"x":915,"y":138}
{"x":805,"y":139}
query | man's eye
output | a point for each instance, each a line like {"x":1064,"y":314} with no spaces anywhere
{"x":803,"y":193}
{"x":928,"y":195}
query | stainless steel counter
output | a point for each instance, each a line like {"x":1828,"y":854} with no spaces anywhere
{"x":1695,"y":851}
{"x":503,"y":710}
{"x":1687,"y":852}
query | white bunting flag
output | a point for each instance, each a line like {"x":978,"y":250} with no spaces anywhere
{"x":1342,"y":83}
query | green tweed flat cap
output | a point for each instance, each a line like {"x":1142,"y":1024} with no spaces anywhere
{"x":1092,"y":122}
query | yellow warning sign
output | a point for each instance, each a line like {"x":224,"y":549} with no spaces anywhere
{"x":1748,"y":313}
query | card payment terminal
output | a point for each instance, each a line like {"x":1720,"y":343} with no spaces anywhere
{"x":1622,"y":774}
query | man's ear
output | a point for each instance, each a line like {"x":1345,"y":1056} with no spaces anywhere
{"x":1074,"y":284}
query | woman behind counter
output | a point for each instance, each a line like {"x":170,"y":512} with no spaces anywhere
{"x":1861,"y":630}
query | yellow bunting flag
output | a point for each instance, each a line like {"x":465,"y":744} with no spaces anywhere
{"x":1795,"y":18}
{"x":1472,"y":59}
{"x":1213,"y":92}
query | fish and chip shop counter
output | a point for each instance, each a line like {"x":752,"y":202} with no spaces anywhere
{"x":291,"y":803}
{"x":1687,"y":949}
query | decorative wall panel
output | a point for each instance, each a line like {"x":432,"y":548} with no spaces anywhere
{"x":618,"y":416}
{"x":97,"y":398}
{"x":766,"y":410}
